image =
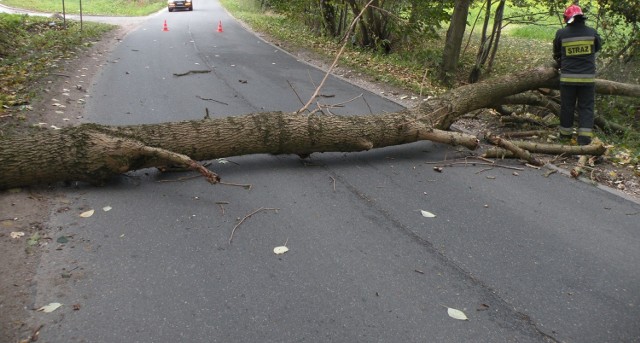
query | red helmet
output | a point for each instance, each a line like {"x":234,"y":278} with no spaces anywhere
{"x":571,"y":12}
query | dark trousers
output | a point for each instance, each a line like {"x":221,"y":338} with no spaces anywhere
{"x":580,"y":97}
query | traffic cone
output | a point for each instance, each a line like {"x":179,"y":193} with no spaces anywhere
{"x":220,"y":26}
{"x":165,"y":27}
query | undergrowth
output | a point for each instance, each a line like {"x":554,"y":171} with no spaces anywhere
{"x":30,"y":49}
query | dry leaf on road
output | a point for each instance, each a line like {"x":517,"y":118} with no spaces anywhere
{"x":86,"y":214}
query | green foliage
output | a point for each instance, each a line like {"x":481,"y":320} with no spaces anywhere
{"x":382,"y":27}
{"x":629,"y":9}
{"x":542,"y":33}
{"x":31,"y":48}
{"x":92,"y":7}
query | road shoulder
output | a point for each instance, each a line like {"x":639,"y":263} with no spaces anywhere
{"x":25,"y":211}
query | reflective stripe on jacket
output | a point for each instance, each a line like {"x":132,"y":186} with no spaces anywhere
{"x":574,"y":48}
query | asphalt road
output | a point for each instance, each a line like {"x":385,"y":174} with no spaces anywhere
{"x":527,"y":258}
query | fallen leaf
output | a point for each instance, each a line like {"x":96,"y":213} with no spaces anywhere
{"x":456,"y":314}
{"x":280,"y":250}
{"x":87,"y":214}
{"x":427,"y":214}
{"x":49,"y":308}
{"x":62,"y":240}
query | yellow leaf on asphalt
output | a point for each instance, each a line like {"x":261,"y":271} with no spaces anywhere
{"x":49,"y":308}
{"x":456,"y":314}
{"x":280,"y":250}
{"x":86,"y":214}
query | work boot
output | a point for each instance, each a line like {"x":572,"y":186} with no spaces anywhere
{"x":584,"y":140}
{"x":584,"y":136}
{"x":565,"y":135}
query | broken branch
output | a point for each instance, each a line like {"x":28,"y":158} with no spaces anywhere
{"x":521,"y":153}
{"x":594,"y":149}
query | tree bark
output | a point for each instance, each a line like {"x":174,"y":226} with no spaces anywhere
{"x":453,"y":42}
{"x":93,"y":153}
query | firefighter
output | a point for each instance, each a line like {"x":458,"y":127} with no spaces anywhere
{"x":574,"y":50}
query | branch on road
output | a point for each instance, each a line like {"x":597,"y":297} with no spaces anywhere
{"x":247,"y":217}
{"x":192,"y":72}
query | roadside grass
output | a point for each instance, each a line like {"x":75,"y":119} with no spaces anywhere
{"x":30,"y":49}
{"x":91,"y":7}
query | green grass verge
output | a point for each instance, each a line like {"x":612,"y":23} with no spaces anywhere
{"x":30,"y":48}
{"x":91,"y":7}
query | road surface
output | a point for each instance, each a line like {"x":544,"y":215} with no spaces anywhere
{"x":527,"y":258}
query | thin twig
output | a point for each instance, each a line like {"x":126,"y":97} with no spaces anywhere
{"x":341,"y":104}
{"x":180,"y":179}
{"x":212,"y":100}
{"x":481,"y":164}
{"x":192,"y":72}
{"x":334,"y":182}
{"x":248,"y":216}
{"x":335,"y":61}
{"x":311,"y":79}
{"x":296,"y":93}
{"x":367,"y":103}
{"x":246,"y":186}
{"x":220,"y":203}
{"x":424,"y":76}
{"x":532,"y":166}
{"x":483,"y":170}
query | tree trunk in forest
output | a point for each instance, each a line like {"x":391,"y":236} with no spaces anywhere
{"x":93,"y":153}
{"x":453,"y":42}
{"x":488,"y":44}
{"x":329,"y":17}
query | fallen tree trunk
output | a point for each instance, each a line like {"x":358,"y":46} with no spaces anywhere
{"x":93,"y":153}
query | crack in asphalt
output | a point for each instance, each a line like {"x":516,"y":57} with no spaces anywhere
{"x":524,"y":322}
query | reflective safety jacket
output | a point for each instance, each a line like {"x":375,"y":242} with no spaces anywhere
{"x":574,"y":48}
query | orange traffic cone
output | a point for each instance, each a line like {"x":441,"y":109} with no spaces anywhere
{"x":165,"y":27}
{"x":220,"y":26}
